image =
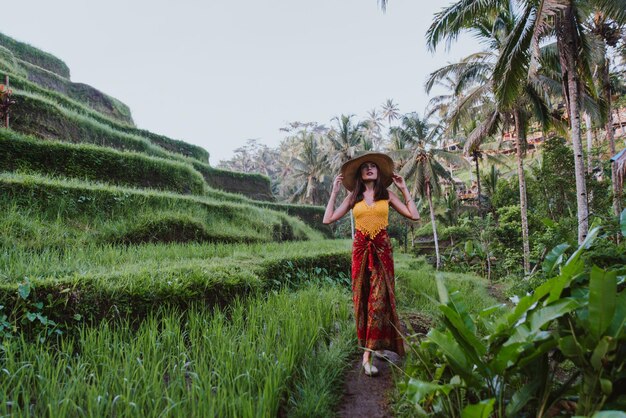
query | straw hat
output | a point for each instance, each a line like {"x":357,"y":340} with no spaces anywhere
{"x":350,"y":169}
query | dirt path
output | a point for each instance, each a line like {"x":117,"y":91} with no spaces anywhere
{"x":369,"y":397}
{"x":365,"y":396}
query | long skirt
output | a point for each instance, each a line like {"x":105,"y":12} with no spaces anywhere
{"x":373,"y":293}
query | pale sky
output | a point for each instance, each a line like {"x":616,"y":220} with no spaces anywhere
{"x":218,"y":73}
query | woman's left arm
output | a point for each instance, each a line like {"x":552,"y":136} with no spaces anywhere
{"x":406,"y":208}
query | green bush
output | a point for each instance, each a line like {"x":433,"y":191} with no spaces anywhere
{"x":23,"y":153}
{"x":35,"y":56}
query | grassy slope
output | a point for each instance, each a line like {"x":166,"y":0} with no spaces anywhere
{"x":42,"y":212}
{"x":35,"y":56}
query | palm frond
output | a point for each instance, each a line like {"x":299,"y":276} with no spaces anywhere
{"x":613,"y":9}
{"x":482,"y":131}
{"x":452,"y":20}
{"x":512,"y":67}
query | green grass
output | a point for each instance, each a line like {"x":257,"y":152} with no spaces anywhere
{"x":40,"y":212}
{"x":36,"y":115}
{"x":15,"y":263}
{"x":28,"y":154}
{"x":19,"y":82}
{"x":417,"y":289}
{"x":237,"y":363}
{"x":317,"y":386}
{"x":35,"y":56}
{"x":80,"y":92}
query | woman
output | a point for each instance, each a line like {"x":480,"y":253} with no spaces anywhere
{"x":367,"y":178}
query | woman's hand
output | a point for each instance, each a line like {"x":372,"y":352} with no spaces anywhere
{"x":337,"y":184}
{"x":398,"y":180}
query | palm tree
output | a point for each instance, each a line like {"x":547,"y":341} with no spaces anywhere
{"x":373,"y":127}
{"x":346,"y":140}
{"x":310,"y":170}
{"x":391,"y":111}
{"x":563,"y":18}
{"x":422,"y":168}
{"x":477,"y":82}
{"x":607,"y":33}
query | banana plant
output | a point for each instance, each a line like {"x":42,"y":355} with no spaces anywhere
{"x":504,"y":365}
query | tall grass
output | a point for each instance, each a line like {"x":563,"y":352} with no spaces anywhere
{"x":237,"y":363}
{"x":417,"y":288}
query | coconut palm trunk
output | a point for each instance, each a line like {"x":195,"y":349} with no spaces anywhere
{"x":476,"y":158}
{"x":521,"y":136}
{"x":568,"y":50}
{"x":432,"y":221}
{"x":610,"y":136}
{"x":589,"y":142}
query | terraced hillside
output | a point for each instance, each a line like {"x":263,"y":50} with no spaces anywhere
{"x":109,"y":231}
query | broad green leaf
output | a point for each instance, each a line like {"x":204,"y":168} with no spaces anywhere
{"x":619,"y":318}
{"x":507,"y":356}
{"x":602,"y":292}
{"x":525,"y":304}
{"x":457,"y":303}
{"x":591,"y":237}
{"x":603,"y":347}
{"x":607,"y":386}
{"x":483,"y":409}
{"x":469,"y":247}
{"x":441,"y":288}
{"x":485,"y":313}
{"x":418,"y":389}
{"x":570,"y":347}
{"x":538,"y":318}
{"x":23,"y":289}
{"x":522,"y":396}
{"x":453,"y":352}
{"x":473,"y":342}
{"x":622,"y":222}
{"x":559,"y":284}
{"x":555,"y":310}
{"x":535,"y":353}
{"x":608,"y":414}
{"x":554,"y":258}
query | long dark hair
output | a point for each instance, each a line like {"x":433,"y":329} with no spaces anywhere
{"x":380,"y":191}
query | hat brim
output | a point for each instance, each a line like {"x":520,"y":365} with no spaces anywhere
{"x":350,"y":169}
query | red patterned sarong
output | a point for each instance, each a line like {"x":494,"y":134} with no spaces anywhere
{"x":373,"y":293}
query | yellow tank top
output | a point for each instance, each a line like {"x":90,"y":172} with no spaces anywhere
{"x":370,"y":220}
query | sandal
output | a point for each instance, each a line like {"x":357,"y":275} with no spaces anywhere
{"x":370,"y":369}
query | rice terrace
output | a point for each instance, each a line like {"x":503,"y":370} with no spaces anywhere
{"x":462,"y":257}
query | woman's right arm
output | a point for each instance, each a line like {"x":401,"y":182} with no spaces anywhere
{"x":331,"y":214}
